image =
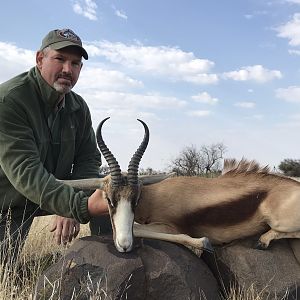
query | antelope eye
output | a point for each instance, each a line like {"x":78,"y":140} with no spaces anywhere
{"x":110,"y":202}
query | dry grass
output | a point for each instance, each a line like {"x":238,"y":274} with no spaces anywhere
{"x":17,"y":281}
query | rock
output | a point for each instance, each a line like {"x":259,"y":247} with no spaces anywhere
{"x":274,"y":273}
{"x":154,"y":270}
{"x":173,"y":272}
{"x":295,"y":245}
{"x":92,"y":266}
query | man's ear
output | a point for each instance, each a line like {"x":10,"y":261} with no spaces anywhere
{"x":39,"y":59}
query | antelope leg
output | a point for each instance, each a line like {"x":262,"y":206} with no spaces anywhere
{"x":198,"y":244}
{"x":272,"y":234}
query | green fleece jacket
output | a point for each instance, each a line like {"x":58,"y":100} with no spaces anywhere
{"x":28,"y":169}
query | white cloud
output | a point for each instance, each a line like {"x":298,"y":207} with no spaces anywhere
{"x":92,"y":50}
{"x":201,"y":79}
{"x":97,"y":78}
{"x":245,"y":104}
{"x":254,"y":73}
{"x":248,"y":16}
{"x":291,"y":30}
{"x":205,"y":98}
{"x":86,"y":8}
{"x":290,"y":94}
{"x":121,"y":14}
{"x":256,"y":13}
{"x":14,"y":60}
{"x":10,"y":52}
{"x":293,"y":1}
{"x":106,"y":100}
{"x":199,"y":113}
{"x":164,"y":61}
{"x":294,"y":52}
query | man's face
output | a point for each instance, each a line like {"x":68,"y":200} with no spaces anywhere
{"x":60,"y":68}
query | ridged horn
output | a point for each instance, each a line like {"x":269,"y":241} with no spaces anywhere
{"x":115,"y":170}
{"x":132,"y":176}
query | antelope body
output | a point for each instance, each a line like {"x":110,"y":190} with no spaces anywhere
{"x":245,"y":200}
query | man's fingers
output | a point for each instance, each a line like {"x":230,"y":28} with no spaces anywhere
{"x":76,"y":229}
{"x":58,"y":233}
{"x":67,"y":233}
{"x":52,"y":228}
{"x":54,"y":224}
{"x":65,"y":229}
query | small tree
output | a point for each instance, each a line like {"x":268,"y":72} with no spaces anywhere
{"x":149,"y":171}
{"x":194,"y":162}
{"x":290,"y":167}
{"x":188,"y":163}
{"x":211,"y":156}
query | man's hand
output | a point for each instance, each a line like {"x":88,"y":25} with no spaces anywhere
{"x":65,"y":229}
{"x":97,"y":204}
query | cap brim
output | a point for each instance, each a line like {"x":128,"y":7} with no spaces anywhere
{"x":64,"y":44}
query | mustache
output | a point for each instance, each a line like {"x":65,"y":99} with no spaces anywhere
{"x":65,"y":76}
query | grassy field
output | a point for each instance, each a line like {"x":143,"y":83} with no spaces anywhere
{"x":18,"y":281}
{"x":39,"y":252}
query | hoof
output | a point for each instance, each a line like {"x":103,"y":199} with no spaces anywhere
{"x":260,"y":246}
{"x":207,"y":246}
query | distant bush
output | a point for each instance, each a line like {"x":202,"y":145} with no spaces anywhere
{"x":290,"y":167}
{"x":198,"y":162}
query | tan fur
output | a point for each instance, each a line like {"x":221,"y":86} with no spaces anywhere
{"x":219,"y":208}
{"x":232,"y":166}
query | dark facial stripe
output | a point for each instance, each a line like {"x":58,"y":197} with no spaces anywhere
{"x":225,"y":214}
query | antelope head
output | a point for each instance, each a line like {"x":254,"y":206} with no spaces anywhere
{"x":122,"y":191}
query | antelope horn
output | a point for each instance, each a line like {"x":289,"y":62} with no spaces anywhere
{"x":85,"y":184}
{"x":115,"y":170}
{"x":132,"y":176}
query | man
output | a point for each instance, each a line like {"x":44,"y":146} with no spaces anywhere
{"x":46,"y":134}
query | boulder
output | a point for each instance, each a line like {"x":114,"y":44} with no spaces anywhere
{"x":154,"y":270}
{"x":295,"y":245}
{"x":273,"y":273}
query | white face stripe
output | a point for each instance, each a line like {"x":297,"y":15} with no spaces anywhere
{"x":123,"y":221}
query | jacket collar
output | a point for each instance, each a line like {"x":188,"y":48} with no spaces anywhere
{"x":50,"y":96}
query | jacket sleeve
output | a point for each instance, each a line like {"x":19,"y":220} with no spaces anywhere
{"x":20,"y":161}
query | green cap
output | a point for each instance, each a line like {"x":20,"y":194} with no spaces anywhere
{"x":61,"y":38}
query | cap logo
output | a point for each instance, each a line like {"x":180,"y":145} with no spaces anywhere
{"x":68,"y":34}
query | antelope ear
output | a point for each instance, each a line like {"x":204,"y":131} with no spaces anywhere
{"x":85,"y":184}
{"x":151,"y":179}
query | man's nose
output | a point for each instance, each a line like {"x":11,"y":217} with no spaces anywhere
{"x":67,"y":67}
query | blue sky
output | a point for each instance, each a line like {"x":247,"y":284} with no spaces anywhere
{"x":197,"y":72}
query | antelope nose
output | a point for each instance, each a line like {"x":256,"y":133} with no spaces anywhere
{"x":126,"y":249}
{"x":124,"y":244}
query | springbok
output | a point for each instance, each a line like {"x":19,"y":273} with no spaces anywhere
{"x":245,"y":200}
